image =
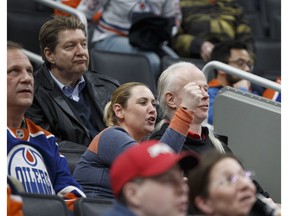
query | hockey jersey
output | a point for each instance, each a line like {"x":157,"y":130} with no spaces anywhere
{"x":115,"y":17}
{"x":33,"y":158}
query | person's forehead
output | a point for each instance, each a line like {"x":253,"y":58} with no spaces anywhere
{"x":187,"y":76}
{"x":141,"y":91}
{"x":226,"y":165}
{"x":239,"y":53}
{"x":170,"y":173}
{"x":14,"y":56}
{"x":70,"y":35}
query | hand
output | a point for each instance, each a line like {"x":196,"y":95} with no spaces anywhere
{"x":242,"y":84}
{"x":192,"y":95}
{"x":273,"y":205}
{"x":206,"y":50}
{"x":269,"y":202}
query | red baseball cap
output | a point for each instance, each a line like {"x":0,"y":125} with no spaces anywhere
{"x":147,"y":159}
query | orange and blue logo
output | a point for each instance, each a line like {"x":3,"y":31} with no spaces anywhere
{"x":27,"y":165}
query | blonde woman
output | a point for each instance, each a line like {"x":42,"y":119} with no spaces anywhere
{"x":131,"y":116}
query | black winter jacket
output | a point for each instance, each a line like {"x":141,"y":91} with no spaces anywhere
{"x":51,"y":110}
{"x":199,"y":146}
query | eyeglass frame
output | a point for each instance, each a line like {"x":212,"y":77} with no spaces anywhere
{"x":241,"y":62}
{"x":233,"y":179}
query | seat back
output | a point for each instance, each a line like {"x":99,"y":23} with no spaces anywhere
{"x":24,"y":20}
{"x":124,"y":67}
{"x":268,"y":8}
{"x":248,"y":6}
{"x":257,"y":28}
{"x":268,"y":59}
{"x":168,"y":60}
{"x":253,"y":127}
{"x":43,"y":205}
{"x":72,"y":153}
{"x":276,"y":26}
{"x":91,"y":206}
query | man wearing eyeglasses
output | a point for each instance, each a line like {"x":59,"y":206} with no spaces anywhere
{"x":236,"y":54}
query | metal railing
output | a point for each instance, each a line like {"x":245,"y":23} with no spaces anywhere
{"x":66,"y":9}
{"x":57,"y":5}
{"x":240,"y":73}
{"x":33,"y":57}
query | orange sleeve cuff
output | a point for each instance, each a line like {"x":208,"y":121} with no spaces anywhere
{"x":70,"y":200}
{"x":181,"y":121}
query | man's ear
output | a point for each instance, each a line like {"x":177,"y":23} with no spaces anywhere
{"x":131,"y":193}
{"x":49,"y":55}
{"x":204,"y":204}
{"x":170,"y":100}
{"x":118,"y":111}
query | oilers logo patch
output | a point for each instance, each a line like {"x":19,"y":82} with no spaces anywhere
{"x":26,"y":164}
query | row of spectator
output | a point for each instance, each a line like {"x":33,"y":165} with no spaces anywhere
{"x":64,"y":101}
{"x":219,"y":21}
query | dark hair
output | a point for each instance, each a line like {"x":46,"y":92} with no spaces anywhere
{"x":49,"y":32}
{"x":222,"y":51}
{"x":198,"y":179}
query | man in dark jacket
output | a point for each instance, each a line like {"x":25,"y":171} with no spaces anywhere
{"x":200,"y":138}
{"x":69,"y":100}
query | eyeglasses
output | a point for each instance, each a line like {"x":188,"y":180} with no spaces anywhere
{"x":241,"y":63}
{"x":172,"y":178}
{"x":233,"y":179}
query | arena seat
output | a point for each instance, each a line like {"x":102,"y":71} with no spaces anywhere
{"x":253,"y":127}
{"x":168,"y":60}
{"x":24,"y":19}
{"x":91,"y":206}
{"x":249,"y":6}
{"x":125,"y":67}
{"x":275,"y":33}
{"x":72,"y":153}
{"x":43,"y":205}
{"x":268,"y":59}
{"x":257,"y":27}
{"x":268,"y":8}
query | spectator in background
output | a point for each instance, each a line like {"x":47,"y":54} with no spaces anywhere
{"x":69,"y":100}
{"x":208,"y":22}
{"x":112,"y":30}
{"x":236,"y":54}
{"x":131,"y":117}
{"x":32,"y":153}
{"x":220,"y":186}
{"x":170,"y":95}
{"x":152,"y":183}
